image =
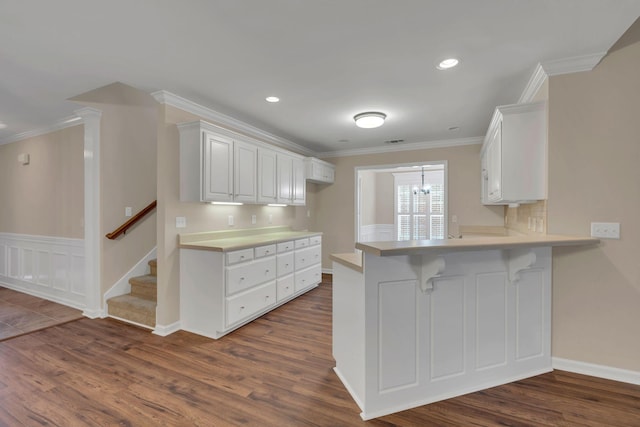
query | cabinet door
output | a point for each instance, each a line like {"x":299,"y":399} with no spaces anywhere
{"x":245,"y":167}
{"x":267,"y":176}
{"x":494,"y":165}
{"x":299,"y":183}
{"x":285,"y":179}
{"x":217,"y":169}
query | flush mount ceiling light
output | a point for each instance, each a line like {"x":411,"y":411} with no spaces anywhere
{"x":448,"y":63}
{"x":272,"y":99}
{"x":369,"y":120}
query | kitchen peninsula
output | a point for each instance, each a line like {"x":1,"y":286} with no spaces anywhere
{"x":415,"y":322}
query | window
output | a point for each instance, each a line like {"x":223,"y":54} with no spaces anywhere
{"x":419,"y":216}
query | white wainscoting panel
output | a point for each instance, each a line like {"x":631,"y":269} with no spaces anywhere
{"x":491,"y":320}
{"x":376,"y":233}
{"x":448,"y":344}
{"x":398,"y":334}
{"x":48,"y":267}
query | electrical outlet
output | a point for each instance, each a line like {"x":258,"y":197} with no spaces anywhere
{"x":270,"y":218}
{"x":253,"y":219}
{"x":605,"y":230}
{"x":128,"y":212}
{"x":454,"y":218}
{"x":181,"y":222}
{"x":230,"y":219}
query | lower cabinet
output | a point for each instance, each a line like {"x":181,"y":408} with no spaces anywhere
{"x":221,"y":291}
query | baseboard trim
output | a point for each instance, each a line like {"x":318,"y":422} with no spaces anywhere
{"x":327,"y":271}
{"x":164,"y":330}
{"x":600,"y":371}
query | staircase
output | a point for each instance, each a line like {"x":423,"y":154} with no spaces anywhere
{"x":138,"y":306}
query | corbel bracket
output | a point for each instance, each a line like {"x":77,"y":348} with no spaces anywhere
{"x":431,"y":267}
{"x":519,"y":260}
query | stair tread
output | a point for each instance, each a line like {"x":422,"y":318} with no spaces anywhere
{"x":147,"y":279}
{"x":134,"y":302}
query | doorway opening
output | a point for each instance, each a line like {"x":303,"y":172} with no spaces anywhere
{"x":401,"y":202}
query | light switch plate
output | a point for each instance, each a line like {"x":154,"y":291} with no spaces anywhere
{"x":230,"y":219}
{"x":181,"y":222}
{"x":128,"y":212}
{"x":605,"y":230}
{"x":253,"y":219}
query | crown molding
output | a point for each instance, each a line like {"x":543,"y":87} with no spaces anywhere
{"x":536,"y":81}
{"x":557,"y":67}
{"x":574,"y":64}
{"x":168,"y":98}
{"x":88,"y":113}
{"x":444,"y":143}
{"x":60,"y":124}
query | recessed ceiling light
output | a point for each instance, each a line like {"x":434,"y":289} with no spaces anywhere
{"x":272,"y":99}
{"x":369,"y":120}
{"x":2,"y":126}
{"x":448,"y":63}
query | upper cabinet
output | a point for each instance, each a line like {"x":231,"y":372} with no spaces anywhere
{"x":319,"y":171}
{"x":267,"y":176}
{"x":291,"y":180}
{"x":514,"y":155}
{"x":216,"y":165}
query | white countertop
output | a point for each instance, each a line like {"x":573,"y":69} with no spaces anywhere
{"x":420,"y":247}
{"x":231,"y":240}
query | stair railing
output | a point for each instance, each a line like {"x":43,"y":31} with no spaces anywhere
{"x":132,"y":221}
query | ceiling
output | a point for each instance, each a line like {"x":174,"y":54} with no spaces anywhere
{"x":326,"y":60}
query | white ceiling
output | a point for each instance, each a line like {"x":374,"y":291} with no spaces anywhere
{"x":327,"y":60}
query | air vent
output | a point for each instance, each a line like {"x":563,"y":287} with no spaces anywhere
{"x":394,"y":141}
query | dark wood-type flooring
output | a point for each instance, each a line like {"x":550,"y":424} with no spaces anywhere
{"x":276,"y":371}
{"x":21,"y":313}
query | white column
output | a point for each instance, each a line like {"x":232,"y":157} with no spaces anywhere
{"x":91,"y":119}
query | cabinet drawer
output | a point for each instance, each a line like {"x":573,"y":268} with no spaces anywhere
{"x":284,"y":264}
{"x":307,"y":257}
{"x":285,"y":246}
{"x":263,"y":251}
{"x":309,"y":277}
{"x":315,"y":240}
{"x":239,"y":256}
{"x":286,"y":287}
{"x":247,"y":275}
{"x":244,"y":305}
{"x":302,"y":243}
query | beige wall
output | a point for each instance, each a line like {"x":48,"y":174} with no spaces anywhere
{"x":128,"y":174}
{"x":336,"y":203}
{"x":200,"y":216}
{"x":45,"y":197}
{"x":368,"y":199}
{"x":594,"y":150}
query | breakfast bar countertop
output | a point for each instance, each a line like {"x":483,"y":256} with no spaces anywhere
{"x":425,"y":247}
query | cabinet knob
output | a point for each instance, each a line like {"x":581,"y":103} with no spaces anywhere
{"x":241,"y":279}
{"x":242,"y":307}
{"x":266,"y":271}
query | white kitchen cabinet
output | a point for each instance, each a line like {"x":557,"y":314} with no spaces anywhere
{"x":267,"y":176}
{"x":217,"y":165}
{"x":319,"y":171}
{"x":221,"y":291}
{"x":299,"y":184}
{"x":514,"y":155}
{"x":217,"y":168}
{"x":291,"y":180}
{"x":245,"y":167}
